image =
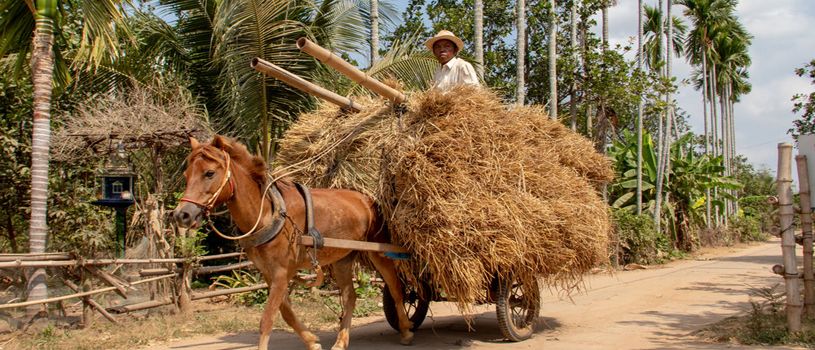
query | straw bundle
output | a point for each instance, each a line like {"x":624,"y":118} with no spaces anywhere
{"x":473,"y":190}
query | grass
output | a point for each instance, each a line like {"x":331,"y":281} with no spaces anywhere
{"x":765,"y":324}
{"x":316,"y":311}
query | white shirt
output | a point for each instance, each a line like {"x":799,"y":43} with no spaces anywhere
{"x":455,"y":72}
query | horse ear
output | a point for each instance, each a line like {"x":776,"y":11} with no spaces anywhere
{"x":194,"y":143}
{"x":219,"y":142}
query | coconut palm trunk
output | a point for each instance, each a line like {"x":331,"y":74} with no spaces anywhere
{"x":42,"y":68}
{"x":639,"y":109}
{"x":573,"y":87}
{"x":553,"y":97}
{"x":660,"y":138}
{"x":708,"y":208}
{"x":374,"y":31}
{"x":669,"y":114}
{"x":520,"y":27}
{"x":715,"y":119}
{"x":479,"y":37}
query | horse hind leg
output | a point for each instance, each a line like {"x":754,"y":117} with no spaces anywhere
{"x":312,"y":341}
{"x":343,"y":275}
{"x":388,"y":271}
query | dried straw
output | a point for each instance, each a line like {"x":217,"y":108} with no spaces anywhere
{"x":472,"y":189}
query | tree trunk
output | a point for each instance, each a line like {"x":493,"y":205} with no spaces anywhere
{"x":708,"y":208}
{"x":604,"y":39}
{"x":42,"y":67}
{"x":553,"y":97}
{"x":573,"y":88}
{"x":520,"y":27}
{"x":479,"y":37}
{"x":639,"y":110}
{"x":669,"y":114}
{"x":715,"y":119}
{"x":660,"y":142}
{"x":374,"y":31}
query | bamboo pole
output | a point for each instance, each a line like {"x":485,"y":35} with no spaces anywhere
{"x":79,"y":295}
{"x":141,"y":306}
{"x":349,"y":71}
{"x":786,"y":214}
{"x":220,"y":268}
{"x":228,"y":291}
{"x":80,"y":263}
{"x":35,"y":257}
{"x":91,"y":302}
{"x":806,"y":223}
{"x":301,"y":84}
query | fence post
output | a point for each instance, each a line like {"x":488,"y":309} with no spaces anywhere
{"x":806,"y":223}
{"x":786,"y":215}
{"x":182,"y":286}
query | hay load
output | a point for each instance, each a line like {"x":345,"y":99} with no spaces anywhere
{"x":471,"y":188}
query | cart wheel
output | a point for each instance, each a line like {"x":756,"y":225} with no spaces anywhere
{"x":416,"y":303}
{"x":517,"y":307}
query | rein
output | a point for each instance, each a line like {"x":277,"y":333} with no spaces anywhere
{"x":210,"y":204}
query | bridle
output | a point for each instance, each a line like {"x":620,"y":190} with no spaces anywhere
{"x":210,"y":203}
{"x":207,"y":206}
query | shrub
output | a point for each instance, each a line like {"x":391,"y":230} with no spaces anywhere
{"x":747,"y":229}
{"x":638,"y":238}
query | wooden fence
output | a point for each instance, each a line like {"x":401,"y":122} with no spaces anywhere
{"x":179,"y":271}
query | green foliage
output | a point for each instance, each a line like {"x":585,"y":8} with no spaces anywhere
{"x":747,"y":229}
{"x":239,"y":279}
{"x":804,"y":103}
{"x":191,"y":245}
{"x":638,"y":238}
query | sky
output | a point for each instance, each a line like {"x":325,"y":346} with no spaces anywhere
{"x":783,"y":40}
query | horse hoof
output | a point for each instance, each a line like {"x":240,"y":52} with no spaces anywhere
{"x":407,"y":338}
{"x":315,"y":346}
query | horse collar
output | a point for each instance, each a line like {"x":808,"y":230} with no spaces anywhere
{"x":269,"y":232}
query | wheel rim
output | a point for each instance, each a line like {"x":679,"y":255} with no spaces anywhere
{"x":521,"y":306}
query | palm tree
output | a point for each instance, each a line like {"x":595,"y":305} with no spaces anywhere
{"x":479,"y":37}
{"x":520,"y":29}
{"x":374,"y":31}
{"x":553,"y":100}
{"x":653,"y":46}
{"x":706,"y":16}
{"x":97,"y":41}
{"x":639,"y":109}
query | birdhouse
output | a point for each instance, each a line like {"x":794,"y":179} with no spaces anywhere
{"x":116,"y":181}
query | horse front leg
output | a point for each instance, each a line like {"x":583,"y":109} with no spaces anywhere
{"x":343,"y":274}
{"x":388,"y":271}
{"x":277,"y":292}
{"x":312,"y":341}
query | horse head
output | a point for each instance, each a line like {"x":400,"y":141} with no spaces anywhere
{"x":209,"y":180}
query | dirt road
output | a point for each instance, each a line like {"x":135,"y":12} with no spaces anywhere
{"x":656,"y":308}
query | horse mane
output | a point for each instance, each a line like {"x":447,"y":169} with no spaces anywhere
{"x":240,"y":155}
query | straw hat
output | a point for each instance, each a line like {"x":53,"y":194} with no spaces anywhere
{"x":444,"y":34}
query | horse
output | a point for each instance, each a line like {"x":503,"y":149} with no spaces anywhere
{"x":223,"y":171}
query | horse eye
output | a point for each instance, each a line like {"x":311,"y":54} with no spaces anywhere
{"x":209,"y":174}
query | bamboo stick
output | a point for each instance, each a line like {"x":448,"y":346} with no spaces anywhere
{"x":35,"y":257}
{"x":78,"y":295}
{"x":219,"y":256}
{"x":806,"y":223}
{"x":213,"y":269}
{"x":301,"y":84}
{"x":786,"y":215}
{"x":79,"y":263}
{"x":155,"y":272}
{"x":140,"y":306}
{"x":228,"y":291}
{"x":112,"y":281}
{"x":91,"y":302}
{"x":349,"y":71}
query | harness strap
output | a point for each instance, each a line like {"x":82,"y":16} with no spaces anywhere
{"x":269,"y":232}
{"x":310,"y":229}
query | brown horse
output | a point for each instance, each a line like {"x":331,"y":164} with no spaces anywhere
{"x":223,"y":171}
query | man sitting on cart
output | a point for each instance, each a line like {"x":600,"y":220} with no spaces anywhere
{"x":453,"y":70}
